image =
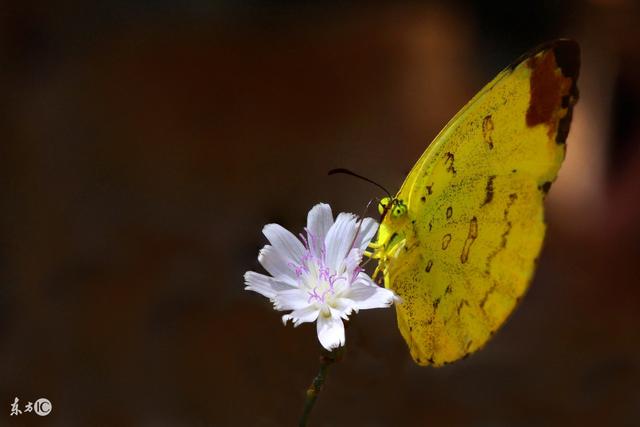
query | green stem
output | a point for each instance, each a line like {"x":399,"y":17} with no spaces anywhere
{"x":316,"y":385}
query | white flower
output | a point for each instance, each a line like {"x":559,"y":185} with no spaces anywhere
{"x":320,"y":277}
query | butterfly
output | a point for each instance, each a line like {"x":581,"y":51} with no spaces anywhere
{"x":459,"y":241}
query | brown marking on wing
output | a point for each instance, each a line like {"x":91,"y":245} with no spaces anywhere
{"x":488,"y":191}
{"x":445,"y":241}
{"x":487,"y":130}
{"x":468,"y":346}
{"x":548,"y":88}
{"x":545,"y":187}
{"x":428,"y":267}
{"x":449,"y":163}
{"x":503,"y":242}
{"x":460,"y":305}
{"x":487,"y":294}
{"x":471,"y":237}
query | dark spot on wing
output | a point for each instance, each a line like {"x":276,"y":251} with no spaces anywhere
{"x":491,"y":290}
{"x":448,"y":290}
{"x":430,"y":225}
{"x":488,"y":190}
{"x":487,"y":130}
{"x":545,"y":187}
{"x":423,"y":199}
{"x":503,"y":240}
{"x":431,"y":361}
{"x":446,"y":240}
{"x":503,"y":245}
{"x":462,"y":304}
{"x":471,"y":237}
{"x":436,"y":303}
{"x":429,"y":265}
{"x":568,"y":57}
{"x":505,"y":234}
{"x":565,"y":122}
{"x":430,"y":189}
{"x":449,"y":212}
{"x":449,"y":162}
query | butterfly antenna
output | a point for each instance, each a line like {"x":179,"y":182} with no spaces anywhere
{"x":348,"y":172}
{"x":364,"y":212}
{"x":386,"y":208}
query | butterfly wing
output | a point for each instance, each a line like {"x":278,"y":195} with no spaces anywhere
{"x":464,"y":253}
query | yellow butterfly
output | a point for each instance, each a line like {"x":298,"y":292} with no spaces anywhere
{"x":459,"y":241}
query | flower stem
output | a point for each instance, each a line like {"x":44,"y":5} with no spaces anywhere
{"x":316,"y":385}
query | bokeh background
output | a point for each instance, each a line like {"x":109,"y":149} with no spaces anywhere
{"x":144,"y":145}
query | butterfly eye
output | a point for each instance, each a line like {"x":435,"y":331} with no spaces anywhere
{"x":382,"y":205}
{"x":399,"y":209}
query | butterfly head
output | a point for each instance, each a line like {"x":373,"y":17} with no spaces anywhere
{"x":391,"y":233}
{"x":395,"y":207}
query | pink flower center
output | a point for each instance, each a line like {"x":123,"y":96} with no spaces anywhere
{"x":312,"y":272}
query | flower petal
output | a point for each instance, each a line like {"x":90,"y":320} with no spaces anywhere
{"x":339,"y":284}
{"x":368,"y":295}
{"x":339,"y":240}
{"x":319,"y":221}
{"x":264,"y":285}
{"x":353,"y":261}
{"x":306,"y":314}
{"x":284,"y":242}
{"x":367,"y":231}
{"x":277,"y":265}
{"x":344,"y":306}
{"x":330,"y":331}
{"x":294,"y":299}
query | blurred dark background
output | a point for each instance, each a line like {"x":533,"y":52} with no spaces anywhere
{"x":145,"y":144}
